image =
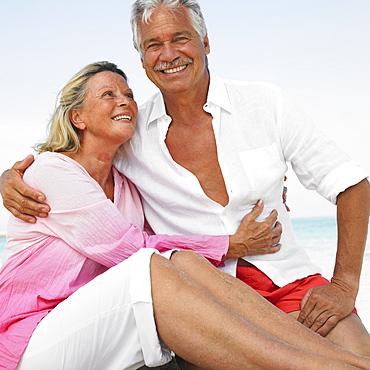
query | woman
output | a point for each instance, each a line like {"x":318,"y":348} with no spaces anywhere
{"x":85,"y":288}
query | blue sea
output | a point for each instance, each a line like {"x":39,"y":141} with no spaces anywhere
{"x":318,"y":236}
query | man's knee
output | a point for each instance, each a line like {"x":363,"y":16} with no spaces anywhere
{"x":187,"y":257}
{"x":351,"y":334}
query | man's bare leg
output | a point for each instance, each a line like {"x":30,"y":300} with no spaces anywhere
{"x":246,"y":302}
{"x":199,"y":328}
{"x":349,"y":333}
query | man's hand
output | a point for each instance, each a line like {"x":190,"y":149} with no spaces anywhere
{"x":18,"y":198}
{"x":254,"y":238}
{"x":323,"y":307}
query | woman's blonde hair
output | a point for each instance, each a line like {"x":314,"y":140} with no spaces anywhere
{"x":63,"y":136}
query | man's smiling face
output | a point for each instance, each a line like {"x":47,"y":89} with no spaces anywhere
{"x":172,"y":53}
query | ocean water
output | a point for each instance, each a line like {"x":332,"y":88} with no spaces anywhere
{"x":318,"y":236}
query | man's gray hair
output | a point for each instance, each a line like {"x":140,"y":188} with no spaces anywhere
{"x":143,"y":9}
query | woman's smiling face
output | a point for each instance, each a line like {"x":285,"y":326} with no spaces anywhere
{"x":109,"y":111}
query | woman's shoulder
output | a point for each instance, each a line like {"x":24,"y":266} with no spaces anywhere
{"x":49,"y":166}
{"x":62,"y":179}
{"x":53,"y":160}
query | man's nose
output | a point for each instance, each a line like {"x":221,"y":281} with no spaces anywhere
{"x":169,"y":53}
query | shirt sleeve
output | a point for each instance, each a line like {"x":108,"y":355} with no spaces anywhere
{"x":91,"y":224}
{"x":318,"y":162}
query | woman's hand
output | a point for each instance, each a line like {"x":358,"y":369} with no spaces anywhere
{"x":254,"y":238}
{"x":20,"y":199}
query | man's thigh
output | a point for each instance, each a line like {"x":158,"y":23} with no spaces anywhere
{"x":349,"y":333}
{"x":286,"y":298}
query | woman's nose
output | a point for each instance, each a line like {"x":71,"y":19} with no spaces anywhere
{"x":123,"y":101}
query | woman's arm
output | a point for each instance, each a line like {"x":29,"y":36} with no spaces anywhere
{"x":82,"y":216}
{"x":91,"y":224}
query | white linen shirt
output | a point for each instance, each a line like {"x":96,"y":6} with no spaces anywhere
{"x":258,"y":129}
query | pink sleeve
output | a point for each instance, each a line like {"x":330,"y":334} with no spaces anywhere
{"x":91,"y":224}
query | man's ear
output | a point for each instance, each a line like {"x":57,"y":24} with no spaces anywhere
{"x":76,"y":119}
{"x":206,"y":45}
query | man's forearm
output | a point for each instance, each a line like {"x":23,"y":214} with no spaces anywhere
{"x":352,"y":217}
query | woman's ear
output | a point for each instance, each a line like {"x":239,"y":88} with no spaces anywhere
{"x":76,"y":119}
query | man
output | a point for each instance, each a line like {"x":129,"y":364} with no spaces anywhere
{"x":207,"y":150}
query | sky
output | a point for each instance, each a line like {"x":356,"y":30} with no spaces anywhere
{"x":317,"y":51}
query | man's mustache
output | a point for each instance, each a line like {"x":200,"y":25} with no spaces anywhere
{"x":175,"y":63}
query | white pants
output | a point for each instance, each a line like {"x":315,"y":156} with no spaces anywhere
{"x":108,"y":324}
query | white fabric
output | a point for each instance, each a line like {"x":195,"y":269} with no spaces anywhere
{"x":258,"y":129}
{"x":107,"y":324}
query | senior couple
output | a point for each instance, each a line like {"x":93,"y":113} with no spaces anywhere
{"x":96,"y":293}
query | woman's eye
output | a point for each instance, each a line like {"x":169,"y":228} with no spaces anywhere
{"x":108,"y":93}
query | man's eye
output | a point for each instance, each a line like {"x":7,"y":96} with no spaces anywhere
{"x":181,"y":40}
{"x":153,"y":46}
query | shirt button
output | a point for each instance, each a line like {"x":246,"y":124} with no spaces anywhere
{"x":224,"y":213}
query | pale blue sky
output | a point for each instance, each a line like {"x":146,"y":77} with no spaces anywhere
{"x":317,"y":50}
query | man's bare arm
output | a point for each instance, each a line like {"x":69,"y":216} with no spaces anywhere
{"x":324,"y":307}
{"x":251,"y":238}
{"x":18,"y":198}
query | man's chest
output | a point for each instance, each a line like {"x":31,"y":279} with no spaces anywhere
{"x":195,"y":149}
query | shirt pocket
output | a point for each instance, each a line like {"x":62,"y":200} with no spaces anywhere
{"x":264,"y":169}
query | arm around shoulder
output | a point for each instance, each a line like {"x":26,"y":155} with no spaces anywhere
{"x":18,"y":198}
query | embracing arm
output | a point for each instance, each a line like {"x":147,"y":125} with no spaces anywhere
{"x":337,"y":299}
{"x":83,"y":217}
{"x":25,"y":203}
{"x":250,"y":239}
{"x":20,"y":199}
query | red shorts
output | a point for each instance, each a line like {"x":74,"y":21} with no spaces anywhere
{"x":288,"y":297}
